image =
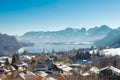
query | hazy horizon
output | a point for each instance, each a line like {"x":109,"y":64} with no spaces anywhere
{"x":20,"y":16}
{"x":54,"y":30}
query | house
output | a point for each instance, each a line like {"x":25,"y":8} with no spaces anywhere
{"x":27,"y":75}
{"x":1,"y":71}
{"x":50,"y":78}
{"x":91,"y":71}
{"x":41,"y":75}
{"x":110,"y":72}
{"x":61,"y":77}
{"x":64,"y":67}
{"x":76,"y":67}
{"x":3,"y":60}
{"x":21,"y":67}
{"x":10,"y":71}
{"x":41,"y":66}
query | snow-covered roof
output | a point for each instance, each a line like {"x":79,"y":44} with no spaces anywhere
{"x":42,"y":74}
{"x":6,"y":70}
{"x":114,"y":69}
{"x":27,"y":57}
{"x":4,"y":57}
{"x":25,"y":64}
{"x":86,"y":74}
{"x":22,"y":75}
{"x":26,"y":75}
{"x":91,"y":70}
{"x":58,"y":63}
{"x":94,"y":70}
{"x":29,"y":72}
{"x":2,"y":61}
{"x":64,"y":67}
{"x":75,"y":65}
{"x":67,"y":69}
{"x":104,"y":68}
{"x":95,"y":51}
{"x":51,"y":78}
{"x":12,"y":68}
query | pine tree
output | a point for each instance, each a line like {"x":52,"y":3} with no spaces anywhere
{"x":33,"y":64}
{"x":25,"y":52}
{"x":7,"y":62}
{"x":15,"y":59}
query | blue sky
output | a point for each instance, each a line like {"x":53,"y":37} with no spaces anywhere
{"x":20,"y":16}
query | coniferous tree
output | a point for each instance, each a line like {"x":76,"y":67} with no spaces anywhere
{"x":7,"y":62}
{"x":33,"y":64}
{"x":15,"y":59}
{"x":25,"y":52}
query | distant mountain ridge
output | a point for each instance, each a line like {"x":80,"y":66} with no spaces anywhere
{"x":103,"y":30}
{"x":67,"y":35}
{"x":112,"y":39}
{"x":8,"y":44}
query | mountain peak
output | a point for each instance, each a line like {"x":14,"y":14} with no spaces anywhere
{"x":104,"y":27}
{"x":69,"y":28}
{"x":8,"y":44}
